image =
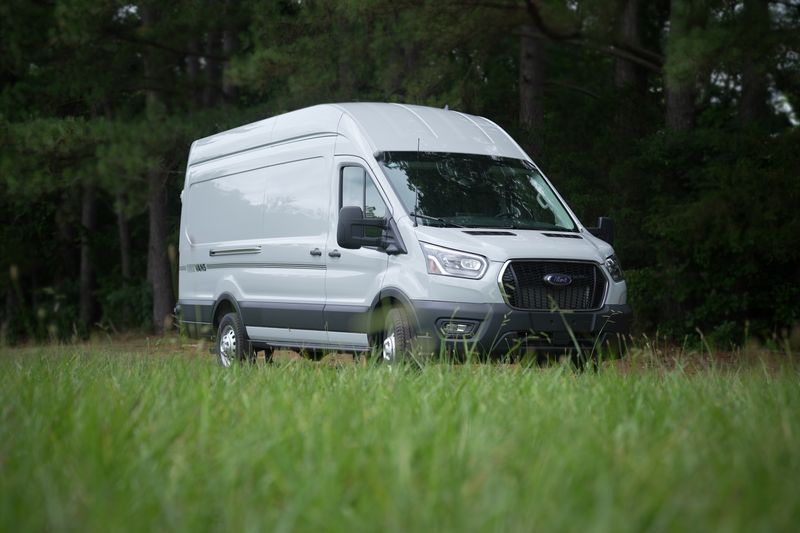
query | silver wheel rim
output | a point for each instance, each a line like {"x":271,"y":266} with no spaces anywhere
{"x":227,"y":346}
{"x":389,"y":348}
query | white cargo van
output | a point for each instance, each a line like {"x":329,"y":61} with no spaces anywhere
{"x":391,"y":227}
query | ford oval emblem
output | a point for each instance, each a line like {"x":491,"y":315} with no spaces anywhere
{"x":558,"y":280}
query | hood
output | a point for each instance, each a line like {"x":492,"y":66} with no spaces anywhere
{"x":504,"y":244}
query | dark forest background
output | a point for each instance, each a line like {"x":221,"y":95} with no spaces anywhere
{"x":677,"y":118}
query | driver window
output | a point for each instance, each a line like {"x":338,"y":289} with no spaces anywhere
{"x":358,"y":189}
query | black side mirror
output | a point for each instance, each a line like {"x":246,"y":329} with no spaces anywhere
{"x":604,"y":230}
{"x":350,"y":230}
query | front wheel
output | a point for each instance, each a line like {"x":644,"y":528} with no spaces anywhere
{"x":232,"y":342}
{"x":398,"y":336}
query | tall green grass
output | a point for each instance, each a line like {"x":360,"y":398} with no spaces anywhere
{"x":94,"y":442}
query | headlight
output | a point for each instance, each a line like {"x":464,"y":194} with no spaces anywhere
{"x":614,"y":268}
{"x":447,"y":262}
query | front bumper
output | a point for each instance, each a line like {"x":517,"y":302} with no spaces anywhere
{"x":499,"y":329}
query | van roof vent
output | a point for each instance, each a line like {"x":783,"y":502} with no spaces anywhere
{"x":487,"y":232}
{"x":563,"y":235}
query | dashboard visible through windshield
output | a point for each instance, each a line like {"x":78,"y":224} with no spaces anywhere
{"x":476,"y":191}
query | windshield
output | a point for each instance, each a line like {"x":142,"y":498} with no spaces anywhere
{"x":446,"y":189}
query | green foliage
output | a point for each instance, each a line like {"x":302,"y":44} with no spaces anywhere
{"x":46,"y":155}
{"x":96,"y":93}
{"x":127,"y":305}
{"x":329,"y":51}
{"x":728,"y":231}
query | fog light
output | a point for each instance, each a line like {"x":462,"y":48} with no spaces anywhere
{"x":457,"y":328}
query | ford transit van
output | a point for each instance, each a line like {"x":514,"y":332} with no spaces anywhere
{"x":388,"y":228}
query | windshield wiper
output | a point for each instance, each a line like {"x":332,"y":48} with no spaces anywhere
{"x":435,"y":219}
{"x":510,"y":216}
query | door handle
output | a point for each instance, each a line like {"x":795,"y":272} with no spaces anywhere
{"x":334,"y":253}
{"x":315,"y":252}
{"x":235,"y":251}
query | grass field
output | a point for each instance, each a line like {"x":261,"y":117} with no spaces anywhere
{"x":99,"y":440}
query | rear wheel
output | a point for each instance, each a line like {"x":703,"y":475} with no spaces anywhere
{"x":398,"y":336}
{"x":232,"y":342}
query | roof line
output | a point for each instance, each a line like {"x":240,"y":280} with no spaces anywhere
{"x":356,"y":122}
{"x":418,"y":117}
{"x":512,"y":141}
{"x":476,"y":125}
{"x":270,"y":144}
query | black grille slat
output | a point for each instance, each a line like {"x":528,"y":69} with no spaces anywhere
{"x":510,"y":284}
{"x":525,"y":288}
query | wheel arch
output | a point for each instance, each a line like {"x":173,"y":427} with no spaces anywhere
{"x":225,"y":303}
{"x":383,"y":301}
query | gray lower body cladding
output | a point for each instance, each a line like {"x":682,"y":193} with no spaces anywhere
{"x":497,"y":328}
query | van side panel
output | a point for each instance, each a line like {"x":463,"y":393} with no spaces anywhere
{"x":296,"y":203}
{"x":227,"y":209}
{"x":251,"y":222}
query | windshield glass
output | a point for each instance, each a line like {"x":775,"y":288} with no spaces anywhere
{"x":468,"y":190}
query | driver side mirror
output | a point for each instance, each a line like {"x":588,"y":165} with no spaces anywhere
{"x":350,"y":230}
{"x":604,"y":230}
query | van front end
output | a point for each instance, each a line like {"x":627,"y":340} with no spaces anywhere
{"x":499,"y":261}
{"x":587,"y":311}
{"x":517,"y":305}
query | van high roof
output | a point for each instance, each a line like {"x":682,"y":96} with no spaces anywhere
{"x":381,"y":126}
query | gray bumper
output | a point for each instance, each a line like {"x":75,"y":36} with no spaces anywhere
{"x":499,"y":329}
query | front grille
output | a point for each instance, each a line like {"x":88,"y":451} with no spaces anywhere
{"x":525,"y":287}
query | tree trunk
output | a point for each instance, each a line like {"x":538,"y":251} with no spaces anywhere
{"x":679,"y":88}
{"x":193,"y":73}
{"x":160,"y":275}
{"x":66,"y":236}
{"x":86,"y":307}
{"x":753,"y":104}
{"x":124,"y":235}
{"x":230,"y":43}
{"x":626,"y":72}
{"x":6,"y":324}
{"x":158,"y":269}
{"x":680,"y":106}
{"x":213,"y":69}
{"x":345,"y":74}
{"x":531,"y":88}
{"x":629,"y":77}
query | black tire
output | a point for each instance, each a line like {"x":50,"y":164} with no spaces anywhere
{"x":398,"y":336}
{"x":232,"y":342}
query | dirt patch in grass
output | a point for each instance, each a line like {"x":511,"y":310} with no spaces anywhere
{"x":674,"y":359}
{"x":643,"y":356}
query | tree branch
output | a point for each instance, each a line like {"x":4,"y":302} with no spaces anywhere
{"x":642,"y":53}
{"x":161,"y":46}
{"x":536,"y":16}
{"x":576,"y":88}
{"x":493,"y":5}
{"x":616,"y":51}
{"x":642,"y":57}
{"x":647,"y":59}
